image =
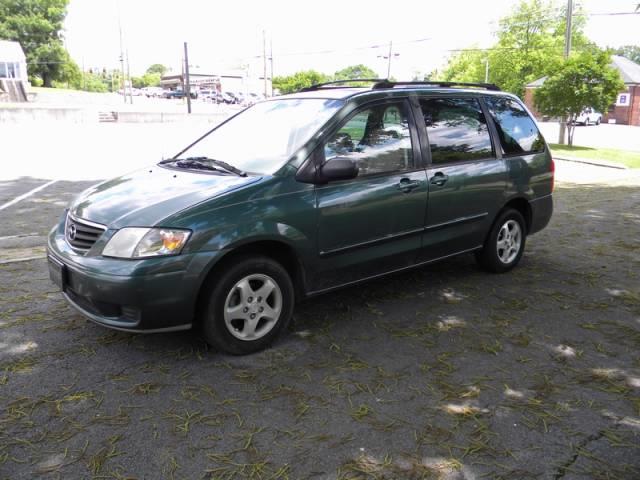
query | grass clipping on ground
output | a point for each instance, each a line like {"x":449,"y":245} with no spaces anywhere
{"x":627,"y":158}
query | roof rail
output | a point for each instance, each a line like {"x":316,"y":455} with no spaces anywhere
{"x":318,"y":86}
{"x":391,"y":84}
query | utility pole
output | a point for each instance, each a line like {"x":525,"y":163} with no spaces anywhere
{"x":129,"y":80}
{"x":271,"y":59}
{"x":124,"y":93}
{"x":264,"y":60}
{"x":187,"y":85}
{"x":389,"y":62}
{"x":486,"y":69}
{"x":388,"y":58}
{"x":567,"y":51}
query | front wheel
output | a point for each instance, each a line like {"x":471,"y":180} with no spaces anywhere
{"x":248,"y":305}
{"x":504,"y":245}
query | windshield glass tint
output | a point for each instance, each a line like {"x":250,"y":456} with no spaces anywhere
{"x":262,"y":138}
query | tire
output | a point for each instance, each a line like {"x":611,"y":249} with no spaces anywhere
{"x":233,"y":297}
{"x":598,"y":121}
{"x":500,"y":260}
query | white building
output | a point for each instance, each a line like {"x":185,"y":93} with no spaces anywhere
{"x":13,"y":72}
{"x":13,"y":63}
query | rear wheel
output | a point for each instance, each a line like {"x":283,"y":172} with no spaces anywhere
{"x":597,"y":121}
{"x":505,"y":243}
{"x":248,"y":305}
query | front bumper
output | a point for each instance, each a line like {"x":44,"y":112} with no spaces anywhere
{"x":151,"y":295}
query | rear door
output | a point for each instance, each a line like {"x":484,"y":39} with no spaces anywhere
{"x":466,"y":175}
{"x":373,"y":223}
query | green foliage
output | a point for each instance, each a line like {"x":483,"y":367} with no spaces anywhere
{"x":299,"y":80}
{"x":36,"y":25}
{"x":584,"y":80}
{"x":355,"y":71}
{"x":530,"y":45}
{"x":147,"y":80}
{"x":157,"y":68}
{"x":53,"y":64}
{"x":632,"y":52}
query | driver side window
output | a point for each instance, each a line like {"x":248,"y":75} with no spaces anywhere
{"x":377,"y":138}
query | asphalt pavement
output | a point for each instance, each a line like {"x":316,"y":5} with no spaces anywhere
{"x":444,"y":372}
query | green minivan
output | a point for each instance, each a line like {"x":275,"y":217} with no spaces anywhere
{"x":302,"y":194}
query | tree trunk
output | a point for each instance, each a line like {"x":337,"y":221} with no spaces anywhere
{"x":46,"y":80}
{"x":571,"y":128}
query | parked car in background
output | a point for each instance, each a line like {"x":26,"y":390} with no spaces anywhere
{"x":241,"y":98}
{"x":587,"y":116}
{"x":227,"y":98}
{"x":178,"y":94}
{"x":152,"y":92}
{"x":208,"y":95}
{"x":334,"y":187}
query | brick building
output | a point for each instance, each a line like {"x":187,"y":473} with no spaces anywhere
{"x":625,"y":111}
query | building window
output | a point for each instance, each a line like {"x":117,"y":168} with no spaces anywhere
{"x":3,"y":70}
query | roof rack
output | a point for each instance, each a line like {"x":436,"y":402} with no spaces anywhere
{"x":380,"y":83}
{"x":391,"y":84}
{"x":338,"y":83}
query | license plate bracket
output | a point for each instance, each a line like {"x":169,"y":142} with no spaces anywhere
{"x":57,"y":272}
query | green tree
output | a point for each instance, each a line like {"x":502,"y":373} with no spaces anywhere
{"x":37,"y":26}
{"x":147,"y":80}
{"x":584,"y":80}
{"x":157,"y":68}
{"x":90,"y":82}
{"x":632,"y":52}
{"x":298,"y":81}
{"x":355,"y":71}
{"x":530,"y":45}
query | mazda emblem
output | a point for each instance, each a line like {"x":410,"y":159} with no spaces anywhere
{"x":72,"y":232}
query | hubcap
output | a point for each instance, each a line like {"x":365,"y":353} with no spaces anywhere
{"x":253,"y":307}
{"x":509,"y":241}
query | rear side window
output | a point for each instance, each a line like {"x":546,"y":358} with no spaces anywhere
{"x":457,"y":129}
{"x":517,"y":131}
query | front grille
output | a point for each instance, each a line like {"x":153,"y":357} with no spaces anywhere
{"x":82,"y":234}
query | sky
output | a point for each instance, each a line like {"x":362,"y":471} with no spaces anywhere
{"x":326,"y":36}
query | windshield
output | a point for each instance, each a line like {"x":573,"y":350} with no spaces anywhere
{"x":263,"y":137}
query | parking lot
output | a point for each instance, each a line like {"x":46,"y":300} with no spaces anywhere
{"x":444,"y":372}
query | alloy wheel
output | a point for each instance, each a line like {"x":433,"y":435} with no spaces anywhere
{"x":252,"y":307}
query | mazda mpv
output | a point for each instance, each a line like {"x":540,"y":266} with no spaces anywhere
{"x":302,"y":194}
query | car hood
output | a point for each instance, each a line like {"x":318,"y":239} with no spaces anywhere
{"x":146,"y":197}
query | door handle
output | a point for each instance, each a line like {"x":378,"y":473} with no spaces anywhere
{"x":406,"y":184}
{"x":439,"y":179}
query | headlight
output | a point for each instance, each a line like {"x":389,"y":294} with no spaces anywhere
{"x":134,"y":242}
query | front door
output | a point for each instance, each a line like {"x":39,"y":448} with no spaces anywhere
{"x":372,"y":224}
{"x":466,"y":179}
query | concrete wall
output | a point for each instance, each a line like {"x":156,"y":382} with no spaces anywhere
{"x":11,"y":114}
{"x":18,"y":114}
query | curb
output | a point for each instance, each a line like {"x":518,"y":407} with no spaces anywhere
{"x":616,"y":166}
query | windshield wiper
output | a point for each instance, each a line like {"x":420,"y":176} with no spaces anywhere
{"x":205,"y":163}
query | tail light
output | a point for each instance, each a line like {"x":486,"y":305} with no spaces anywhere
{"x":553,"y":174}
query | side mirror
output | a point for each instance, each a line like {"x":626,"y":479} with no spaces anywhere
{"x":338,"y":168}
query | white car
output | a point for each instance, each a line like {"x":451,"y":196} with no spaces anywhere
{"x":587,"y":116}
{"x":152,"y":91}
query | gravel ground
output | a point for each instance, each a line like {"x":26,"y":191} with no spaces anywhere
{"x":444,"y":372}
